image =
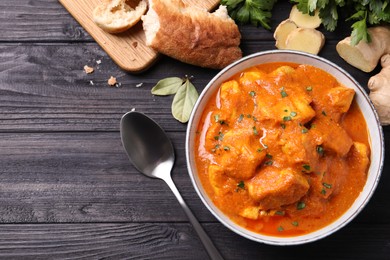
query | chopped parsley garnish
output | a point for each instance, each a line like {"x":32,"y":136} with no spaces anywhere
{"x":217,"y":120}
{"x":283,"y":92}
{"x":320,"y":150}
{"x":283,"y":126}
{"x":269,"y":163}
{"x":287,"y":118}
{"x":306,"y":167}
{"x":215,"y":148}
{"x":219,"y":137}
{"x":226,"y":148}
{"x":252,"y":93}
{"x":241,"y":185}
{"x":301,"y":205}
{"x":279,"y":213}
{"x":259,"y":150}
{"x":255,"y":132}
{"x":323,"y":112}
{"x":295,"y":223}
{"x":309,"y":88}
{"x":280,"y":229}
{"x":293,"y":114}
{"x":304,"y":130}
{"x":240,"y":118}
{"x":327,"y":185}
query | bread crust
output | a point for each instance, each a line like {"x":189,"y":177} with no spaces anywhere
{"x":116,"y":16}
{"x":193,"y":35}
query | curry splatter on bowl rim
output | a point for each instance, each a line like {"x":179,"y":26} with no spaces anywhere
{"x":375,"y":131}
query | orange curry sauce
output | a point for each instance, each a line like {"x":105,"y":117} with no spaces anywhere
{"x":282,"y":149}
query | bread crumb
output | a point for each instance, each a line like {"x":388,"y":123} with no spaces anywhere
{"x":139,"y":85}
{"x":112,"y":81}
{"x":135,"y":44}
{"x":99,"y":62}
{"x":88,"y":69}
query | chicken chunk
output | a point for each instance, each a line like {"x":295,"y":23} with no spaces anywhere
{"x":340,"y":100}
{"x":217,"y":179}
{"x":361,"y":154}
{"x":231,"y":95}
{"x":250,"y":212}
{"x":273,"y":188}
{"x":332,"y":136}
{"x":238,"y":154}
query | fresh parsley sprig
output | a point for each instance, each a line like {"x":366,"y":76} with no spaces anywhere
{"x":363,"y":13}
{"x":256,"y":12}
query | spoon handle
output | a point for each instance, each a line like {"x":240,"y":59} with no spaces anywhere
{"x":207,"y":243}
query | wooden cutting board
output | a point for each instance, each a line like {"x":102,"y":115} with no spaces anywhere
{"x":127,"y":49}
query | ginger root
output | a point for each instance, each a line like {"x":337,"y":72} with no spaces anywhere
{"x":305,"y":39}
{"x":282,"y":31}
{"x":379,"y":86}
{"x":365,"y":56}
{"x":305,"y":20}
{"x":299,"y":33}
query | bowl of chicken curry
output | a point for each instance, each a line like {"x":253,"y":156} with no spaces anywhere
{"x":284,"y":147}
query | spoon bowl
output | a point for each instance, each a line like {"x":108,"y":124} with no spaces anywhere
{"x":146,"y":144}
{"x":151,"y":152}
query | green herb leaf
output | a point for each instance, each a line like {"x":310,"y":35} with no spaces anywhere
{"x":280,"y":229}
{"x":327,"y":185}
{"x":301,"y":205}
{"x":240,"y":118}
{"x":269,"y":163}
{"x":255,"y":132}
{"x":250,"y":11}
{"x":295,"y":223}
{"x":306,"y":167}
{"x":184,"y":101}
{"x":167,"y":86}
{"x":283,"y":92}
{"x":241,"y":185}
{"x":320,"y":150}
{"x":293,"y":114}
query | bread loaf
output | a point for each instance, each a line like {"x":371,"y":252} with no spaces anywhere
{"x":191,"y":34}
{"x":115,"y":16}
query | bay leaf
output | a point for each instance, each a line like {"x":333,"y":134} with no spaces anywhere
{"x":167,"y":86}
{"x":184,"y":101}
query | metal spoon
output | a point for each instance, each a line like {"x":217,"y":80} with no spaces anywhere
{"x":151,"y":152}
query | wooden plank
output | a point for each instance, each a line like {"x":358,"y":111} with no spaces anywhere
{"x":87,"y":177}
{"x":127,"y":49}
{"x":45,"y":21}
{"x":178,"y":241}
{"x":43,"y":87}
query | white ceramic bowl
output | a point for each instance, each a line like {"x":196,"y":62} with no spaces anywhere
{"x":371,"y":117}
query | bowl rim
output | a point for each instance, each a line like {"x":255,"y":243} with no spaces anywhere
{"x":345,"y":218}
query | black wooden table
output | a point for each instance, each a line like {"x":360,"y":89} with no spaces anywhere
{"x":67,"y":189}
